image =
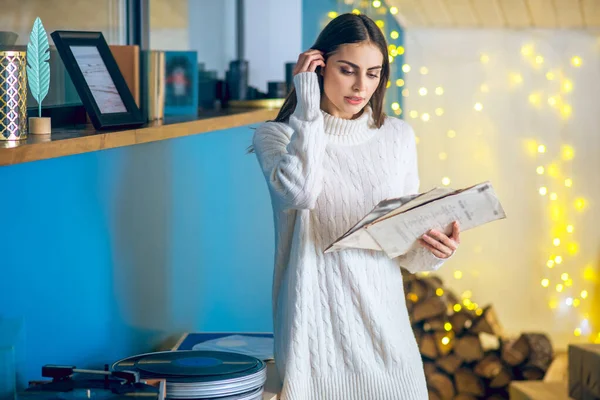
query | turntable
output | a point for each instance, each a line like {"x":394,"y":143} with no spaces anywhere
{"x":69,"y":382}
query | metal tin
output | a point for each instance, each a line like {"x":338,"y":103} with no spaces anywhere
{"x":13,"y":95}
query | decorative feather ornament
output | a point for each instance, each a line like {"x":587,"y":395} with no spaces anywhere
{"x":38,"y":67}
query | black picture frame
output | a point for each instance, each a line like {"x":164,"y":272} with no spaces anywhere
{"x":97,"y":79}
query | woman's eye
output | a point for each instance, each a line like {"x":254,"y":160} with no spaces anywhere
{"x":346,"y":72}
{"x":373,"y":76}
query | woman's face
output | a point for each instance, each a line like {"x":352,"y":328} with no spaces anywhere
{"x":350,"y":78}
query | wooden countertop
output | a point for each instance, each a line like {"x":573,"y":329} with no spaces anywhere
{"x":84,"y":138}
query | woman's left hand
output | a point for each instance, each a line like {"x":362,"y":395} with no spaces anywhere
{"x":439,"y":244}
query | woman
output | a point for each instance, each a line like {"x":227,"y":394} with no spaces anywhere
{"x":341,"y":325}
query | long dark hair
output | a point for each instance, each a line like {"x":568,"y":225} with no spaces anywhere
{"x":345,"y":29}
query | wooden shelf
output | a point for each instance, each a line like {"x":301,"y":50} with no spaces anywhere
{"x":84,"y":139}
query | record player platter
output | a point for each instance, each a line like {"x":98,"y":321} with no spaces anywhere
{"x":195,"y":374}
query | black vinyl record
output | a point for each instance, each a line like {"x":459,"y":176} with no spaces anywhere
{"x":191,"y":365}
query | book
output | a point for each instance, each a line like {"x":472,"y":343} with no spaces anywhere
{"x":395,"y":225}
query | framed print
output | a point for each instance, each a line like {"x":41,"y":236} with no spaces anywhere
{"x":181,"y":83}
{"x":97,"y":79}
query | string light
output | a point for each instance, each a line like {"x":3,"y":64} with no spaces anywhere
{"x":545,"y":282}
{"x":515,"y":78}
{"x":527,"y":50}
{"x":563,"y":290}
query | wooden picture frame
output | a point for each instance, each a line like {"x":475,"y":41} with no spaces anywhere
{"x":97,"y":79}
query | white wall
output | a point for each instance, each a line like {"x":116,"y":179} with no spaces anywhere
{"x":212,"y":32}
{"x":273,"y":35}
{"x":503,"y":263}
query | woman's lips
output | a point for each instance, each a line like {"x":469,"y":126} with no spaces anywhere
{"x":354,"y":100}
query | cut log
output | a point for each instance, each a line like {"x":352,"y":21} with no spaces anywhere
{"x":497,"y":397}
{"x":433,"y":395}
{"x":444,"y":342}
{"x":532,"y":373}
{"x":427,"y":346}
{"x":515,"y":351}
{"x":468,"y":348}
{"x":420,"y":290}
{"x":502,"y":380}
{"x":442,"y":385}
{"x":540,"y":352}
{"x":429,"y":368}
{"x":489,"y":367}
{"x":451,"y":298}
{"x":449,"y":364}
{"x":468,"y":383}
{"x":435,"y":324}
{"x":409,"y":306}
{"x":489,"y":342}
{"x":460,"y":321}
{"x":428,"y":308}
{"x":463,"y":396}
{"x":488,"y":323}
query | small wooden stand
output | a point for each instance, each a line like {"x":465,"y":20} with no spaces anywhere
{"x":40,"y":125}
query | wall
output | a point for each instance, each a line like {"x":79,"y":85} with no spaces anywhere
{"x":272,"y":36}
{"x":109,"y":254}
{"x":273,"y":33}
{"x":105,"y":16}
{"x":169,"y":22}
{"x":505,"y":262}
{"x":211,"y":29}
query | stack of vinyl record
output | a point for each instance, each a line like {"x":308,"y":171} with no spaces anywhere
{"x":202,"y":375}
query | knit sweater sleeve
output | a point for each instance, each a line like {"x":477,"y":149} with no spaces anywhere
{"x":419,"y":259}
{"x":292,"y":164}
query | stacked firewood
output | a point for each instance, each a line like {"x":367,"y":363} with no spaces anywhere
{"x":465,"y":352}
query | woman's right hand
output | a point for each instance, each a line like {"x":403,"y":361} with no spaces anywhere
{"x":309,"y":61}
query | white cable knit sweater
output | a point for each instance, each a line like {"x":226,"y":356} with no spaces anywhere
{"x":341,"y":325}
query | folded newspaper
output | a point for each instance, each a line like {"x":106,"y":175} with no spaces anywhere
{"x":395,"y":225}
